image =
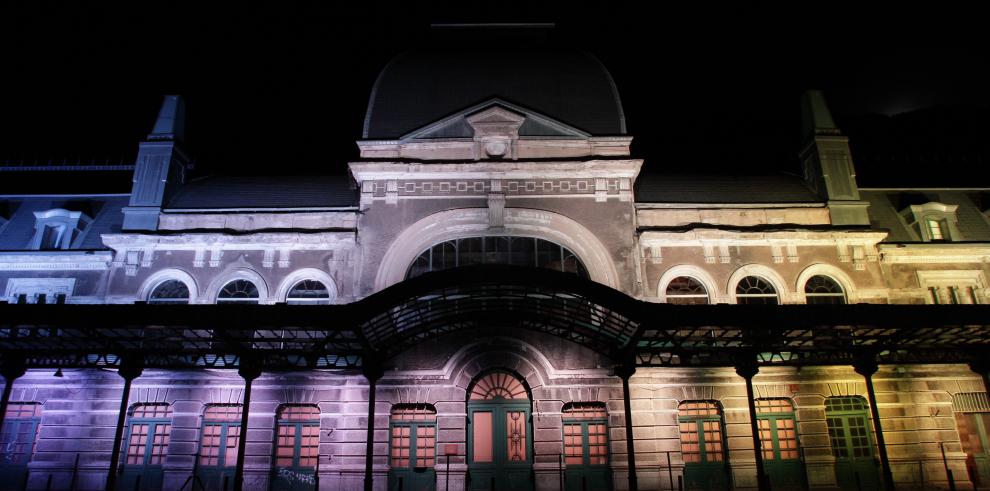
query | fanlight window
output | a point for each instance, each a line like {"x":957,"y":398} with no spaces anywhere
{"x":685,"y":290}
{"x":824,"y":290}
{"x":755,"y":290}
{"x":310,"y":292}
{"x":515,"y":251}
{"x":498,"y":385}
{"x":169,"y":292}
{"x":238,"y":291}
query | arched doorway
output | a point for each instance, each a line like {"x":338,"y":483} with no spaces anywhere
{"x":500,"y":435}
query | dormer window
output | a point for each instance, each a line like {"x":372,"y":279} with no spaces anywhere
{"x":936,"y":230}
{"x":57,"y":229}
{"x":932,"y":221}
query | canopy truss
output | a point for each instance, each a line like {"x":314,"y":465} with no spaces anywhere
{"x":381,"y":326}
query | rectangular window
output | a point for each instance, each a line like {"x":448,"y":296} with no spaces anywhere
{"x":778,"y":433}
{"x":515,"y":434}
{"x":935,"y":230}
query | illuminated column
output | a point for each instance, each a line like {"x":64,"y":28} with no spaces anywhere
{"x":249,"y":371}
{"x":624,"y":372}
{"x":867,"y":366}
{"x":130,"y":369}
{"x":373,"y":372}
{"x":747,"y":369}
{"x":12,"y":369}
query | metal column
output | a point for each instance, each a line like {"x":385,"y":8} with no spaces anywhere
{"x":748,"y":370}
{"x":867,"y":366}
{"x":624,"y":372}
{"x":130,"y":369}
{"x":248,"y":371}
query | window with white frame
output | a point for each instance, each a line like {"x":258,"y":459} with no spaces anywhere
{"x":169,"y":292}
{"x":933,"y":221}
{"x":238,"y":291}
{"x":753,"y":290}
{"x":685,"y":290}
{"x":57,"y":229}
{"x":308,"y":292}
{"x":821,"y":289}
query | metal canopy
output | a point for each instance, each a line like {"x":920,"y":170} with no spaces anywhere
{"x":383,"y":325}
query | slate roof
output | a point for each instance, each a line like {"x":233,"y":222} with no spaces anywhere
{"x":17,"y":218}
{"x":886,"y":204}
{"x":420,"y":87}
{"x":675,"y":188}
{"x":218,"y":192}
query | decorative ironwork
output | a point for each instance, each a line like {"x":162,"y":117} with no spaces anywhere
{"x":498,"y":385}
{"x":490,"y":299}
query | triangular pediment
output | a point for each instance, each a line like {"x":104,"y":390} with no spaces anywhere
{"x":495,"y":112}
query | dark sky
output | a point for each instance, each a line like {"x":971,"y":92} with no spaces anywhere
{"x":707,"y":88}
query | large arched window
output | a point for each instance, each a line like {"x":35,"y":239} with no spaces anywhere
{"x":753,"y":290}
{"x":824,"y":290}
{"x":238,"y":291}
{"x":516,"y":251}
{"x":169,"y":292}
{"x":308,"y":292}
{"x":685,"y":290}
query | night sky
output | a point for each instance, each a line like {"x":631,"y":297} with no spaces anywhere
{"x":705,"y":89}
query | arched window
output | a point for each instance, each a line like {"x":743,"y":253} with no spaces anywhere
{"x":148,"y":434}
{"x":297,"y":445}
{"x":308,"y":292}
{"x":824,"y":290}
{"x":755,"y":290}
{"x":685,"y":290}
{"x":516,"y":251}
{"x":238,"y":291}
{"x":498,"y":385}
{"x":412,"y":446}
{"x":169,"y":292}
{"x":218,"y":446}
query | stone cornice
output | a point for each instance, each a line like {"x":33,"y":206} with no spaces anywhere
{"x":370,"y":171}
{"x":262,"y":240}
{"x":696,"y":237}
{"x":57,"y":261}
{"x":932,"y":253}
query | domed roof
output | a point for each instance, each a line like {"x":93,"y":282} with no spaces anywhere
{"x":420,"y":87}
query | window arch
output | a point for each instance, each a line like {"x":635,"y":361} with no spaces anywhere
{"x":509,"y":250}
{"x":169,"y":292}
{"x":821,"y":289}
{"x":308,"y":292}
{"x":685,"y":290}
{"x":755,"y":290}
{"x":238,"y":291}
{"x":498,"y":385}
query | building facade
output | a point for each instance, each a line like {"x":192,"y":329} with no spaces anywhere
{"x":475,"y":169}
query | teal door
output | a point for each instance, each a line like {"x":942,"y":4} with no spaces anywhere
{"x":702,"y":446}
{"x":17,"y":439}
{"x":500,"y":441}
{"x":146,"y":444}
{"x":297,"y":448}
{"x":972,"y":428}
{"x":218,"y":456}
{"x":500,"y":455}
{"x":778,"y":438}
{"x":412,"y":448}
{"x":586,"y":456}
{"x":852,"y":442}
